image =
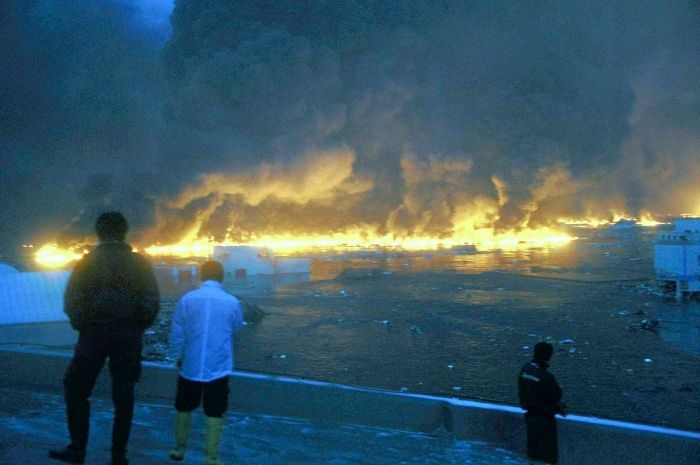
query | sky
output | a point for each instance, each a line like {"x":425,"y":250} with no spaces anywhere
{"x":234,"y":119}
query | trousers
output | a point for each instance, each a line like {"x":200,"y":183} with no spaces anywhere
{"x":123,"y":350}
{"x":542,"y":437}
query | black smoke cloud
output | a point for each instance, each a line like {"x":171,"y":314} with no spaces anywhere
{"x":515,"y":113}
{"x":80,"y":119}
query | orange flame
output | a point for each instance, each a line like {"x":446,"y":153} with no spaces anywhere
{"x":53,"y":256}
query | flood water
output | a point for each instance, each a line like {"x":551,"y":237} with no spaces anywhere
{"x":461,"y":324}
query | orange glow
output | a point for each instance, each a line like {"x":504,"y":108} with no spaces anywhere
{"x":485,"y":240}
{"x":645,"y":220}
{"x":585,"y":222}
{"x":52,"y":256}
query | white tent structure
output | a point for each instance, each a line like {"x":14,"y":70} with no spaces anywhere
{"x":32,"y":297}
{"x":249,"y":260}
{"x":677,"y":258}
{"x":5,"y":268}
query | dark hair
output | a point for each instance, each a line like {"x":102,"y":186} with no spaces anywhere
{"x":543,"y":351}
{"x":212,"y":270}
{"x":111,"y":226}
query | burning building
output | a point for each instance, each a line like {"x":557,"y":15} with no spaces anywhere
{"x":677,"y":258}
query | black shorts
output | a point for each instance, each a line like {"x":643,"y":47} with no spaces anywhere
{"x":214,"y":395}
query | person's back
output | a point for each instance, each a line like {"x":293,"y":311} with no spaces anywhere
{"x":111,"y":298}
{"x":201,"y":340}
{"x":112,"y":288}
{"x":205,"y":320}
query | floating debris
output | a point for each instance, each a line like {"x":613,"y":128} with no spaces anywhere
{"x":647,"y":360}
{"x":416,"y":329}
{"x":252,"y":313}
{"x":566,"y":341}
{"x":360,"y":274}
{"x":650,"y":325}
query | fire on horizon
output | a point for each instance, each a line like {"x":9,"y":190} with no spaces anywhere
{"x":52,"y":256}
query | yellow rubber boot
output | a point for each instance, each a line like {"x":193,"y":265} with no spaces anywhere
{"x":182,"y":430}
{"x":215,"y":427}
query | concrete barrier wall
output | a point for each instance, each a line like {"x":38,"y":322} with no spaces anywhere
{"x":582,"y":440}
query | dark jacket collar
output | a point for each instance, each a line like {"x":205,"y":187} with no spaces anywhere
{"x":111,"y":245}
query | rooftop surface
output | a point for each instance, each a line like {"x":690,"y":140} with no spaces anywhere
{"x":279,"y":420}
{"x":32,"y":422}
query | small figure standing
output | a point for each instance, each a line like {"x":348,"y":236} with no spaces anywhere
{"x":111,"y":298}
{"x":201,"y":340}
{"x":540,"y":395}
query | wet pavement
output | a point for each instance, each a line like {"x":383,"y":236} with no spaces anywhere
{"x":32,"y":422}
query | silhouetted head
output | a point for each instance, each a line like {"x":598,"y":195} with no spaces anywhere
{"x":111,"y":226}
{"x":543,"y":351}
{"x":212,"y":270}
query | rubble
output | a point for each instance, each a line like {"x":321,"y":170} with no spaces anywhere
{"x":650,"y":325}
{"x":252,"y":313}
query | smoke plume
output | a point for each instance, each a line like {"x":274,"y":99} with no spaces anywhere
{"x":409,"y":118}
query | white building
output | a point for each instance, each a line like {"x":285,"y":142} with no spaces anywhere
{"x":32,"y":297}
{"x":248,"y":260}
{"x":677,"y":258}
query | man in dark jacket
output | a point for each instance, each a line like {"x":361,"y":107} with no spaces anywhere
{"x":540,"y":395}
{"x":111,"y":298}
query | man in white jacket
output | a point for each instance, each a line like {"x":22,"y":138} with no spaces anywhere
{"x":201,"y":340}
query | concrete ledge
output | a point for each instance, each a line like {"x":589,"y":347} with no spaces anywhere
{"x":583,"y":440}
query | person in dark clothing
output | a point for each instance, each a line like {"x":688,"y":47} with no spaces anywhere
{"x":111,"y":298}
{"x":540,"y":395}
